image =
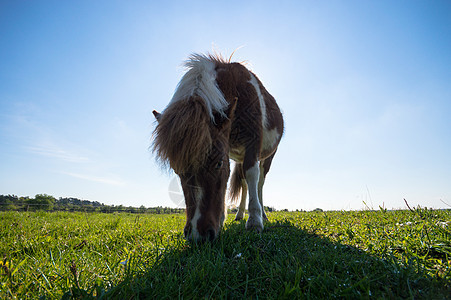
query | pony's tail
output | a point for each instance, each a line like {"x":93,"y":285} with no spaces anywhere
{"x":236,"y":182}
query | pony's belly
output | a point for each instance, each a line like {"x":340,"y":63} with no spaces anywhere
{"x":237,"y":154}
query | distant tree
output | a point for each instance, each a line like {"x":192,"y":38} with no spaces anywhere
{"x":47,"y":202}
{"x":43,"y":201}
{"x":8,"y":202}
{"x":318,"y":210}
{"x":270,"y":209}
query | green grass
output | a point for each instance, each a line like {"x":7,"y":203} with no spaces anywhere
{"x":380,"y":254}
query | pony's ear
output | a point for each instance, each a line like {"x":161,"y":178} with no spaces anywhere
{"x":231,"y":109}
{"x":157,"y":115}
{"x":222,"y":121}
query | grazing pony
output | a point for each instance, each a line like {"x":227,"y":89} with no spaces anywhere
{"x":220,"y":110}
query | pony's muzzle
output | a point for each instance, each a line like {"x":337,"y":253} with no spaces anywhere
{"x":209,"y":235}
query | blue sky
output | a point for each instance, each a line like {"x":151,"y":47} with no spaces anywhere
{"x":365,"y":87}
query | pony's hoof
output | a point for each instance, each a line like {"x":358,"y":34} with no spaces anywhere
{"x":254,"y":224}
{"x":239,"y":217}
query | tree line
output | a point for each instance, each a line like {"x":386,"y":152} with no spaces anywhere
{"x":46,"y":202}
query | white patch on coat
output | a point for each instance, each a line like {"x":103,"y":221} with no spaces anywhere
{"x":270,"y":139}
{"x":255,"y":84}
{"x":198,"y":193}
{"x":200,"y":80}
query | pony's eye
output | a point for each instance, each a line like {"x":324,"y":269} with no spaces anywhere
{"x":219,"y":165}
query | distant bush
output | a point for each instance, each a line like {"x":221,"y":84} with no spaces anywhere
{"x":49,"y":203}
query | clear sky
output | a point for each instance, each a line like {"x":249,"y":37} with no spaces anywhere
{"x":365,"y":88}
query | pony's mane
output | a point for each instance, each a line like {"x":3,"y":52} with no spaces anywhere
{"x":200,"y":80}
{"x":182,"y":138}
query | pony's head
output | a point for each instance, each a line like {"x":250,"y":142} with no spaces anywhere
{"x":196,"y":147}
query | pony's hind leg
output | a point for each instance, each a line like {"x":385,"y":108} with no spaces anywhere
{"x":264,"y":169}
{"x":242,"y":207}
{"x":237,"y":183}
{"x":261,"y":182}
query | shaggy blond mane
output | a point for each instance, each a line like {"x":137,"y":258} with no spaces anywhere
{"x":200,"y":80}
{"x":182,"y":138}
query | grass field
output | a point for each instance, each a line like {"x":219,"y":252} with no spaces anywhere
{"x":356,"y":254}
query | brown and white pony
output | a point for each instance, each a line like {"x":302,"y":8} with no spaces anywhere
{"x":220,"y":110}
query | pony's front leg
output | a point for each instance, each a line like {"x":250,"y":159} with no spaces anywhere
{"x":255,"y":220}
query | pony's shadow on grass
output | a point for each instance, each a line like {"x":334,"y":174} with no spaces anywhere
{"x":282,"y":262}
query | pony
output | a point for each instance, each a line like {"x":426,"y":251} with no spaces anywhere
{"x":220,"y":111}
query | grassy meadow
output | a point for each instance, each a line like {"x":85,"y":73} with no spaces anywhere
{"x":343,"y":254}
